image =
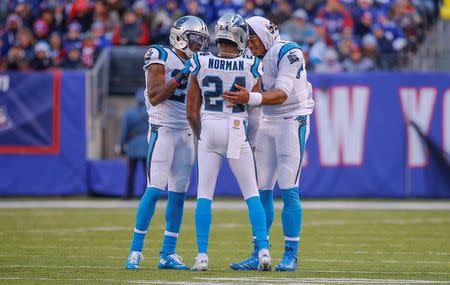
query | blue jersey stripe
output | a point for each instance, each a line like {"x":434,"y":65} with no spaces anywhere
{"x":287,"y":47}
{"x":197,"y":65}
{"x":254,"y":68}
{"x":162,"y":53}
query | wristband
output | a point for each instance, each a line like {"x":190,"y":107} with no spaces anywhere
{"x":179,"y":77}
{"x":254,"y":99}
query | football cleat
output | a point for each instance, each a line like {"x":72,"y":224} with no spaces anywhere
{"x":171,"y":261}
{"x":134,"y":260}
{"x":201,"y":262}
{"x":264,"y":260}
{"x":250,"y":263}
{"x":288,"y":262}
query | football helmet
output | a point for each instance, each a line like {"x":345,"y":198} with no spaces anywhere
{"x":190,"y":35}
{"x":232,"y":27}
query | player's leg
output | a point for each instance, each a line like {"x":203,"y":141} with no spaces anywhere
{"x":244,"y":169}
{"x":179,"y":176}
{"x":290,"y":150}
{"x":159,"y":155}
{"x":210,"y":150}
{"x":265,"y":158}
{"x":267,"y":168}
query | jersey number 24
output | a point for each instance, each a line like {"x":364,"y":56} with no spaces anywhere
{"x":212,"y":100}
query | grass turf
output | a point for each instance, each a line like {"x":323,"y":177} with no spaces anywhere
{"x":89,"y":246}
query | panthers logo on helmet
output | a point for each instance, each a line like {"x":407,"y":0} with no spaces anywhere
{"x":180,"y":22}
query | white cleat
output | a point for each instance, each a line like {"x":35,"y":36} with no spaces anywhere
{"x":265,"y":262}
{"x":201,"y":262}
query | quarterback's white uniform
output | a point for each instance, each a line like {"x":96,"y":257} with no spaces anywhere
{"x":284,"y":128}
{"x":170,"y":154}
{"x":224,"y":130}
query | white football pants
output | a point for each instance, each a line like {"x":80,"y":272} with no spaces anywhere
{"x":280,"y":147}
{"x":212,"y":149}
{"x":170,"y":157}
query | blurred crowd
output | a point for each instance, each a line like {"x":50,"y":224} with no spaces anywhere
{"x":335,"y":35}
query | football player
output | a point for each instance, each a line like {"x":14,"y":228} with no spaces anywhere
{"x":222,"y":130}
{"x":286,"y":106}
{"x":170,"y":154}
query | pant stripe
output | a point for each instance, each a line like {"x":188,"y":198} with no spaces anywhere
{"x":301,"y":139}
{"x":151,"y":148}
{"x":254,"y":163}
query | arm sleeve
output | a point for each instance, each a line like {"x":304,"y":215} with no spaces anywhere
{"x":290,"y":68}
{"x":155,"y":54}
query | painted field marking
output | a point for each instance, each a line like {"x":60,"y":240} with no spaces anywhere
{"x":231,"y":205}
{"x":302,"y":270}
{"x":321,"y":280}
{"x":245,"y":280}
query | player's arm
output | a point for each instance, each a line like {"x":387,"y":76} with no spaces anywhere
{"x":193,"y":105}
{"x":155,"y":65}
{"x":158,"y":90}
{"x":242,"y":96}
{"x":290,"y":67}
{"x":254,"y":114}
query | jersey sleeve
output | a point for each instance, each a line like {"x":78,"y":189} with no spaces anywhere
{"x":290,"y":67}
{"x":256,"y":68}
{"x":155,"y":54}
{"x":195,"y":65}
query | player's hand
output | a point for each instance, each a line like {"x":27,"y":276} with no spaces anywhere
{"x":240,"y":96}
{"x":183,"y":74}
{"x":187,"y":68}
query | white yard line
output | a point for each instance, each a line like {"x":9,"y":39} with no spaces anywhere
{"x":243,"y":280}
{"x":302,"y":270}
{"x":231,"y":205}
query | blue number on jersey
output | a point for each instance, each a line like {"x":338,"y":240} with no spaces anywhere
{"x":240,"y":80}
{"x":181,"y":96}
{"x":212,"y":104}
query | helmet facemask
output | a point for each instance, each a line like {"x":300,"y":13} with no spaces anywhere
{"x":196,"y":42}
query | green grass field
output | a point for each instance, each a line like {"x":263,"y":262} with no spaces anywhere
{"x":89,"y":246}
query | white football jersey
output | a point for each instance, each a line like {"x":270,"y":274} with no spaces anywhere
{"x":284,"y":68}
{"x":216,"y":75}
{"x":172,"y":112}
